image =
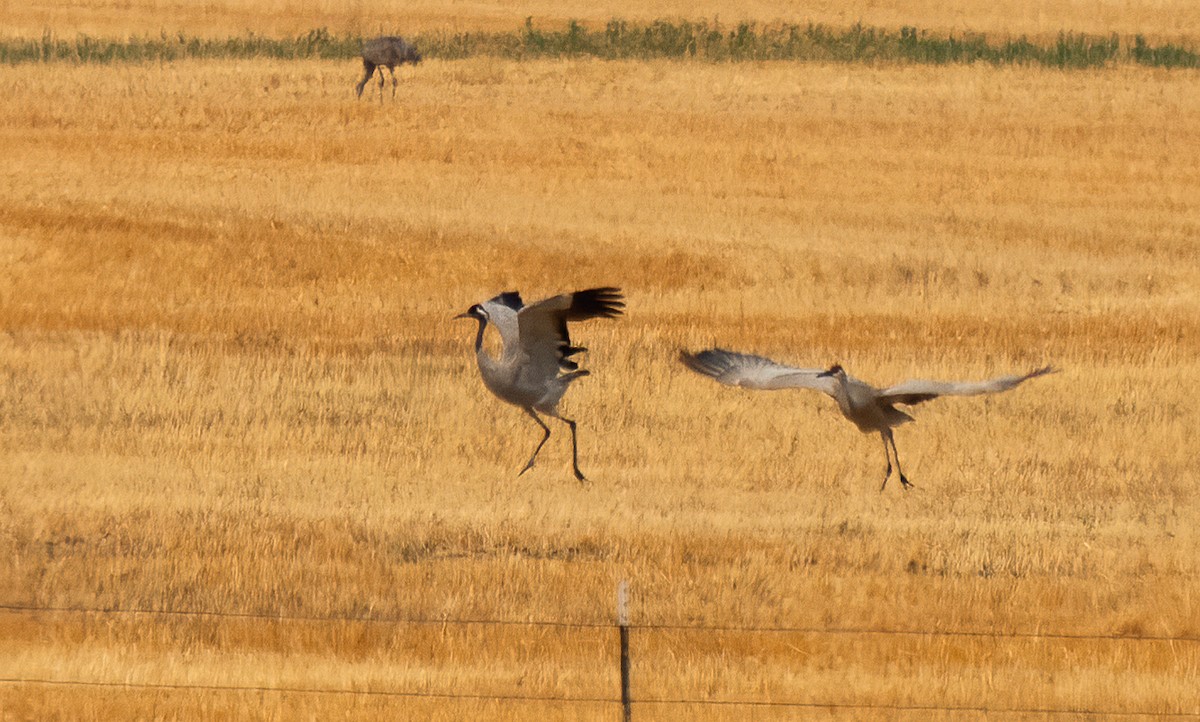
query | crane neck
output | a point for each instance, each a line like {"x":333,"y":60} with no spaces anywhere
{"x":841,"y":392}
{"x":485,"y":360}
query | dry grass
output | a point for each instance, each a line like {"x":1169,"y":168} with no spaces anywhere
{"x":231,"y":382}
{"x":1162,"y":19}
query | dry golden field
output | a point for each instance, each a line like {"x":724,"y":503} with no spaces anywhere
{"x":232,"y":384}
{"x":1173,"y":20}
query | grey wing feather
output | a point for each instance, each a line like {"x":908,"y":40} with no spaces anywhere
{"x":543,"y":326}
{"x":918,"y":390}
{"x":754,"y":372}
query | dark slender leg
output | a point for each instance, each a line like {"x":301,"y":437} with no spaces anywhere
{"x":545,"y":428}
{"x":904,"y":482}
{"x":574,"y":451}
{"x":887,"y":455}
{"x":394,"y":81}
{"x":368,"y":71}
{"x":382,"y":79}
{"x":574,"y":447}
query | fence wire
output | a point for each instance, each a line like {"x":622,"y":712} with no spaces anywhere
{"x":648,"y":626}
{"x":680,"y":701}
{"x":560,"y":699}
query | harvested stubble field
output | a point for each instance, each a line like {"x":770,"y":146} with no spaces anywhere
{"x":232,"y":385}
{"x":1160,"y":19}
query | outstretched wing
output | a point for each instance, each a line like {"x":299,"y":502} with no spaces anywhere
{"x":754,"y":372}
{"x":544,"y":337}
{"x":918,"y":390}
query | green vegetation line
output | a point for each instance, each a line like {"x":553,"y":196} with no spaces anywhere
{"x":621,"y":40}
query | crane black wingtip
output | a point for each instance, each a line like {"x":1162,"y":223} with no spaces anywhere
{"x":1047,"y":369}
{"x":601,"y":302}
{"x":706,"y":363}
{"x":689,"y":359}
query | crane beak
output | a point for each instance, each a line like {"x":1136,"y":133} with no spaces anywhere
{"x":464,"y":315}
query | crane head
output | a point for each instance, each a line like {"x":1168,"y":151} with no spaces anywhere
{"x":477,"y":312}
{"x":833,"y":370}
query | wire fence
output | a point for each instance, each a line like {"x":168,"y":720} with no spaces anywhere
{"x":613,"y":701}
{"x":623,"y":700}
{"x":646,"y":626}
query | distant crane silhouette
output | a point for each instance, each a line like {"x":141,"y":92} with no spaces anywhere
{"x":387,"y":51}
{"x":871,"y":409}
{"x":535,"y":367}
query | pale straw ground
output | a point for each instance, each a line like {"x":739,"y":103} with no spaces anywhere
{"x":1159,"y":20}
{"x":231,"y":383}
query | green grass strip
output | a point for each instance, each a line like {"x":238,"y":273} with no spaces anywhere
{"x":621,"y":40}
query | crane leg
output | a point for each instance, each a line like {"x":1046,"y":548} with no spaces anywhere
{"x":574,"y":451}
{"x":574,"y":445}
{"x":534,"y":416}
{"x":887,"y":455}
{"x":368,"y":71}
{"x":904,"y":482}
{"x":394,"y":81}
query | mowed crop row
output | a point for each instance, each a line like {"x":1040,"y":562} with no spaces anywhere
{"x":232,"y":383}
{"x":1172,"y":20}
{"x":622,"y":40}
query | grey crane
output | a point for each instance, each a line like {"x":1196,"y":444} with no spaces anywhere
{"x":871,"y":409}
{"x":535,"y":368}
{"x":387,"y":51}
